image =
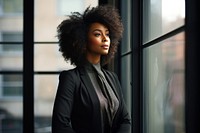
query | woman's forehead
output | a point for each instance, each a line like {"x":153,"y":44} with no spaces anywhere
{"x":98,"y":25}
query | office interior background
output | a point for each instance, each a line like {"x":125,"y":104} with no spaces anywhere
{"x":157,"y":63}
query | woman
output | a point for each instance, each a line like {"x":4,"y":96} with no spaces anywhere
{"x":89,"y":98}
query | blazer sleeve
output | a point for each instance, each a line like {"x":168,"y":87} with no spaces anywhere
{"x":124,"y":116}
{"x":63,"y":103}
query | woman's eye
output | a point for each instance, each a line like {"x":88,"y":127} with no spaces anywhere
{"x":107,"y":34}
{"x":97,"y":34}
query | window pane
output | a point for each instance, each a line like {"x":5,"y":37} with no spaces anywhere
{"x":126,"y":19}
{"x":11,"y":106}
{"x":126,"y":80}
{"x":45,"y":89}
{"x":11,"y":58}
{"x":11,"y":48}
{"x":48,"y":58}
{"x":11,"y":6}
{"x":47,"y":19}
{"x":11,"y":85}
{"x":161,"y":16}
{"x":163,"y":86}
{"x":65,"y":6}
{"x":11,"y":37}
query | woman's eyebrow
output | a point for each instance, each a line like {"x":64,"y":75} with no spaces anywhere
{"x":100,"y":30}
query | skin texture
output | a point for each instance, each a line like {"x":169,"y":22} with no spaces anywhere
{"x":98,"y":42}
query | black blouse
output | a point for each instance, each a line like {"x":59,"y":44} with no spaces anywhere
{"x":108,"y":109}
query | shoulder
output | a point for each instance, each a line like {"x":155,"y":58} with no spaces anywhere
{"x":72,"y":73}
{"x":69,"y":79}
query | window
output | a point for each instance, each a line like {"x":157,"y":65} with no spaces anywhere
{"x":163,"y":84}
{"x":126,"y":54}
{"x":11,"y":66}
{"x":11,"y":51}
{"x":163,"y":68}
{"x":11,"y":85}
{"x":11,"y":7}
{"x":14,"y":38}
{"x":161,"y":17}
{"x":152,"y":62}
{"x":64,"y":6}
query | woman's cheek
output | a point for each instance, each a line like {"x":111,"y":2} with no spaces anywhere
{"x":94,"y":42}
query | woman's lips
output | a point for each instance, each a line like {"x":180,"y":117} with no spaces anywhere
{"x":105,"y":46}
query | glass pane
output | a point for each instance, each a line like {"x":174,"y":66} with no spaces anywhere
{"x":11,"y":6}
{"x":11,"y":106}
{"x":64,"y":6}
{"x":161,"y":16}
{"x":45,"y":89}
{"x":163,"y":86}
{"x":126,"y":19}
{"x":12,"y":37}
{"x":48,"y":58}
{"x":126,"y":80}
{"x":11,"y":57}
{"x":47,"y":19}
{"x":12,"y":85}
{"x":11,"y":48}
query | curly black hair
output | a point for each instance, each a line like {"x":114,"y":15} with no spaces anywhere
{"x":72,"y":33}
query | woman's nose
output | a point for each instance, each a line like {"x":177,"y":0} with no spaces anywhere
{"x":104,"y":38}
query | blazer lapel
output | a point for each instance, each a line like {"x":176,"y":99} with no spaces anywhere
{"x":94,"y":99}
{"x":88,"y":84}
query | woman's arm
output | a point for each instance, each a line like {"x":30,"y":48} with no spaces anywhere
{"x":124,"y":116}
{"x":63,"y":104}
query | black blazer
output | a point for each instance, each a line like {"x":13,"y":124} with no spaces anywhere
{"x":77,"y":108}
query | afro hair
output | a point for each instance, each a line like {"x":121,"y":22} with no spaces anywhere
{"x":72,"y":33}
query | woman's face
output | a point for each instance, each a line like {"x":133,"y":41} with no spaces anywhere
{"x":98,"y":40}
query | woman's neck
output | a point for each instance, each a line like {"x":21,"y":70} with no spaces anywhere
{"x":93,"y":59}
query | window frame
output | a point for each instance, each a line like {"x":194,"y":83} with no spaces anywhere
{"x":11,"y":51}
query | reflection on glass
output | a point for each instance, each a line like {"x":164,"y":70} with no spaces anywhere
{"x":126,"y":80}
{"x":164,"y":86}
{"x":126,"y":20}
{"x":162,"y":16}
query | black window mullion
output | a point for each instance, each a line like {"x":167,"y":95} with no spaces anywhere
{"x":192,"y":62}
{"x":136,"y":42}
{"x":28,"y":71}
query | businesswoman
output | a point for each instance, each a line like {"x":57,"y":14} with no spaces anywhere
{"x":89,"y":97}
